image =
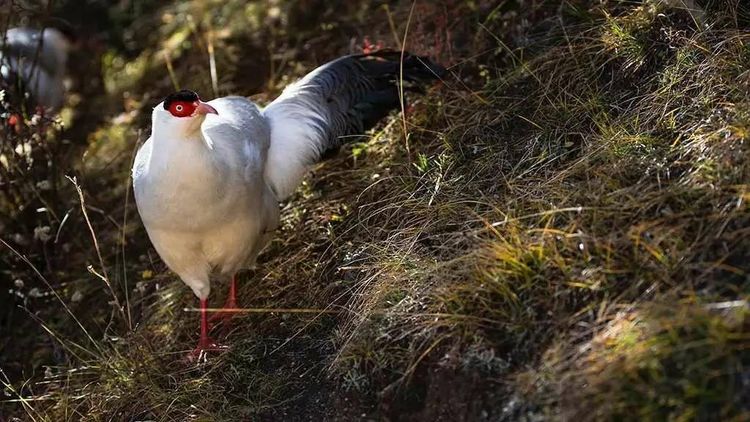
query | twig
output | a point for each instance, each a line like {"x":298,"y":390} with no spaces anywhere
{"x":401,"y":97}
{"x":212,"y":61}
{"x":124,"y":228}
{"x":62,"y":224}
{"x":103,"y":274}
{"x":170,"y":70}
{"x":341,"y":312}
{"x":392,"y":24}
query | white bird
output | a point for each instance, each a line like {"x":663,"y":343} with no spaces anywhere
{"x":36,"y":59}
{"x":209,"y":179}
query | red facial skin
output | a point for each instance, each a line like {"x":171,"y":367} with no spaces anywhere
{"x":183,"y":108}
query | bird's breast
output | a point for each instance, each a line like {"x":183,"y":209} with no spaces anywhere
{"x":183,"y":187}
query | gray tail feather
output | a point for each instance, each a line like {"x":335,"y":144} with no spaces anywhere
{"x":362,"y":89}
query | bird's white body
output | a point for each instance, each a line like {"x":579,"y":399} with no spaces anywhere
{"x":208,"y":180}
{"x":202,"y":197}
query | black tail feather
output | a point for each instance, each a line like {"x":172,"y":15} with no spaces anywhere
{"x":386,"y":74}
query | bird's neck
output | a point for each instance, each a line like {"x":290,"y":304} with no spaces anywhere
{"x":181,"y":156}
{"x":187,"y":131}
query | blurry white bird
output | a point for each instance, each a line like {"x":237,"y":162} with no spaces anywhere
{"x":36,"y":59}
{"x":208,"y":181}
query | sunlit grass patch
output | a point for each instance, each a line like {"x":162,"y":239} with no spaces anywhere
{"x":675,"y":360}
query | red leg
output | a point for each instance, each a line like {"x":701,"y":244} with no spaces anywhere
{"x":205,"y":343}
{"x":232,"y":296}
{"x":226,"y":313}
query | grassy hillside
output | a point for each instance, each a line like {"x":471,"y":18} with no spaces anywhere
{"x":559,"y":230}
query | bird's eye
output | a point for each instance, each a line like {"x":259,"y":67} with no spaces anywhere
{"x":181,"y":109}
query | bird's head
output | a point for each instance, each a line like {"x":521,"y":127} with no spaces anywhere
{"x":181,"y":113}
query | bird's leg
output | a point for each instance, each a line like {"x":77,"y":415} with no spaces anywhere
{"x":227,"y":311}
{"x":232,"y":295}
{"x":205,"y":343}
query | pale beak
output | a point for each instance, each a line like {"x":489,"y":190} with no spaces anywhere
{"x":204,"y":108}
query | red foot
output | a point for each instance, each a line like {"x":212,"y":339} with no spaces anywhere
{"x":205,"y":344}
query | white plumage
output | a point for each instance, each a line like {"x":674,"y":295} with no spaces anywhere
{"x":201,"y":193}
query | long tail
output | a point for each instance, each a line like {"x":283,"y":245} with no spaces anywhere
{"x":332,"y":104}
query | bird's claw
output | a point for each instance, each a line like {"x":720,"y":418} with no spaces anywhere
{"x":200,"y":353}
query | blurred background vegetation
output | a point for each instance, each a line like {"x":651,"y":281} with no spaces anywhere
{"x":559,"y":231}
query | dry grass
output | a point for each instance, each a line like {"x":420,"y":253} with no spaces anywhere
{"x":566,"y":236}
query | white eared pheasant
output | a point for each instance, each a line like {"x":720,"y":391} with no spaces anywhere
{"x":36,"y":59}
{"x":209,"y":179}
